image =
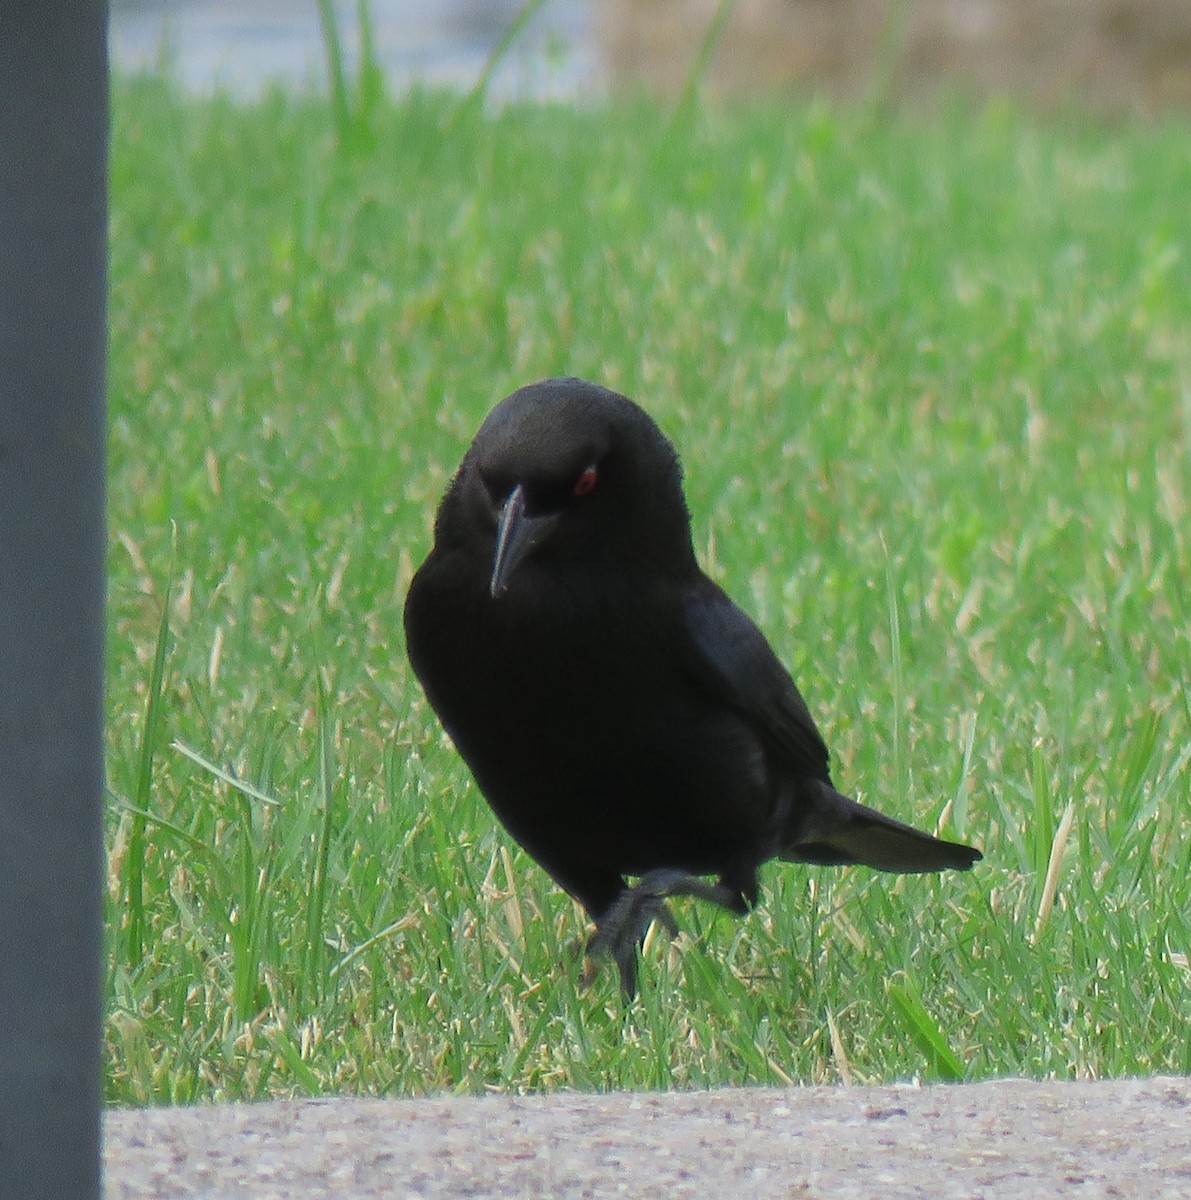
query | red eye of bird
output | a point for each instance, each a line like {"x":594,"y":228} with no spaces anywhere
{"x":586,"y":481}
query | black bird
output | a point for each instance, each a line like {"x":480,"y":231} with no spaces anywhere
{"x":621,"y":715}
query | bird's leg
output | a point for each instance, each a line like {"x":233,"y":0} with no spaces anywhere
{"x":621,"y":929}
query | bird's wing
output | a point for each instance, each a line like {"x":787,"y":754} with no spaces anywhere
{"x":730,"y":655}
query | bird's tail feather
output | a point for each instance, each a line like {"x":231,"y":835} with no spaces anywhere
{"x":840,"y":832}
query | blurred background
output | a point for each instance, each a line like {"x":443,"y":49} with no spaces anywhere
{"x":1108,"y":55}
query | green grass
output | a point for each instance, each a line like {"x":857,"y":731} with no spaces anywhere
{"x":931,"y":380}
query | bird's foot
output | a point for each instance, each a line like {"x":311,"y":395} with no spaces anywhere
{"x":621,"y":930}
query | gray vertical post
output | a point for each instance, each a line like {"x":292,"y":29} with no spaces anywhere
{"x":53,"y":231}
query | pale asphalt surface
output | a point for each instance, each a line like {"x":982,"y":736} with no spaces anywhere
{"x":1013,"y":1138}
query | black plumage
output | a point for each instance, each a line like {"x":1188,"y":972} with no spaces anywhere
{"x":621,"y":715}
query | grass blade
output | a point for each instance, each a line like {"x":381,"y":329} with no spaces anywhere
{"x":336,"y":74}
{"x":1053,"y":870}
{"x":315,"y":946}
{"x":709,"y":43}
{"x":223,"y":774}
{"x":292,"y":1057}
{"x":197,"y":845}
{"x":134,"y":890}
{"x":508,"y":39}
{"x":941,"y":1060}
{"x":900,"y":770}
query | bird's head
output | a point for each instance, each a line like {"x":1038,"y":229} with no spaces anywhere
{"x":567,"y":474}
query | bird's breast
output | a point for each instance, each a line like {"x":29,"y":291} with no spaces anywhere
{"x":577,"y":719}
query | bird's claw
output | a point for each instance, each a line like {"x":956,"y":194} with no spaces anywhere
{"x":622,"y":929}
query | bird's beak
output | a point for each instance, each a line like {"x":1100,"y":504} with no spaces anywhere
{"x":515,"y":534}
